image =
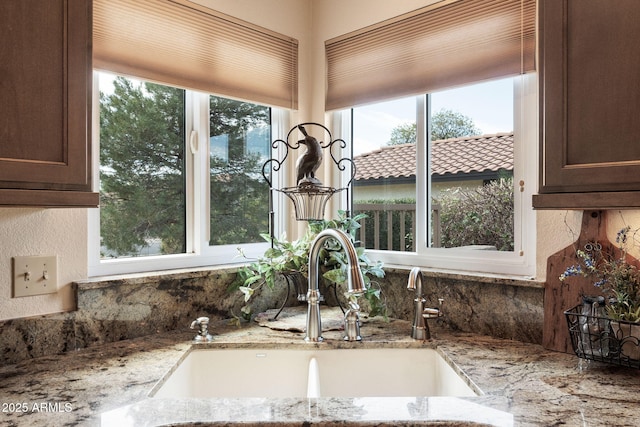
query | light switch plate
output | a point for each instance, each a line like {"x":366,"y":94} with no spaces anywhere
{"x":35,"y":275}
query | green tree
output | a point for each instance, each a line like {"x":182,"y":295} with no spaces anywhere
{"x":447,"y":124}
{"x":403,"y":134}
{"x":239,"y":194}
{"x":142,"y":170}
{"x":142,"y":162}
{"x":235,"y":119}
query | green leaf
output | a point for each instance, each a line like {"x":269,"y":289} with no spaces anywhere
{"x":250,"y":281}
{"x":335,"y":276}
{"x":247,"y":291}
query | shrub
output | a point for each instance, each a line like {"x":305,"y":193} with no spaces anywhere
{"x":482,"y":216}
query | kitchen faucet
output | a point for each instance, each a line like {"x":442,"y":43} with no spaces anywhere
{"x":355,"y":283}
{"x":420,"y":328}
{"x":202,"y":323}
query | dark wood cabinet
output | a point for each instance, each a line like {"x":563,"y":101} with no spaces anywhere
{"x":589,"y":104}
{"x":45,"y":113}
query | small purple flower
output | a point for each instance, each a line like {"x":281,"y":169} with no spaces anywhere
{"x":600,"y":283}
{"x":621,"y":236}
{"x":573,"y":270}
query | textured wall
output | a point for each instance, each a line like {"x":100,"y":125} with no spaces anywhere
{"x":24,"y":232}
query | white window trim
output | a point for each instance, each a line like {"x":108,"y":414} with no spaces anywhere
{"x":522,"y":261}
{"x":198,"y":252}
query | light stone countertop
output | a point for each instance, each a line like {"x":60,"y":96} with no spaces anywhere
{"x":523,"y":385}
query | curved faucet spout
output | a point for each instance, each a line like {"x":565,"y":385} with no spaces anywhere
{"x":355,"y":281}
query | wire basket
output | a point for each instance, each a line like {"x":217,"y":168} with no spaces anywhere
{"x":309,"y":201}
{"x":598,"y":338}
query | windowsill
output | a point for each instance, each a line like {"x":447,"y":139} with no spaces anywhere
{"x":190,"y":273}
{"x":499,"y":279}
{"x":174,"y":274}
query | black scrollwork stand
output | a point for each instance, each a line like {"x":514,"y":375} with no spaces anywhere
{"x":309,"y":200}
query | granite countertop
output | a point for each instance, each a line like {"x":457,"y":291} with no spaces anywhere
{"x":108,"y":385}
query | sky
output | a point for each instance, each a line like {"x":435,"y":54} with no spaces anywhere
{"x":490,"y":105}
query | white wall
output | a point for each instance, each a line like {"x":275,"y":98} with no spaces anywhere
{"x":408,"y":191}
{"x":25,"y":232}
{"x":384,"y":192}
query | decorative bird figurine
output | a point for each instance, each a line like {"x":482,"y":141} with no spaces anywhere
{"x":309,"y":162}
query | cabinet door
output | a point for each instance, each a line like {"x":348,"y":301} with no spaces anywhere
{"x":590,"y":97}
{"x":45,"y":81}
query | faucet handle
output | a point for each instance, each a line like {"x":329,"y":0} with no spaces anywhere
{"x":432,"y":313}
{"x":199,"y":321}
{"x":352,"y":323}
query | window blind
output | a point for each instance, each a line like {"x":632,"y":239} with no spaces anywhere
{"x":440,"y":46}
{"x":180,"y":43}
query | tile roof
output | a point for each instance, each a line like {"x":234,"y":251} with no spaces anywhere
{"x":465,"y":155}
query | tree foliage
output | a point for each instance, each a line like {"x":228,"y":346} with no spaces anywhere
{"x":239,"y":194}
{"x":142,"y":170}
{"x":447,"y":124}
{"x":403,"y":134}
{"x":482,"y":216}
{"x":142,"y":163}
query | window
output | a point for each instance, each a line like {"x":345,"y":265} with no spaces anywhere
{"x":142,"y":169}
{"x":456,"y":197}
{"x":179,"y":177}
{"x":420,"y":194}
{"x":240,"y":135}
{"x":384,"y":188}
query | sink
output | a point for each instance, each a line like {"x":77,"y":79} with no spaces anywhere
{"x":382,"y":372}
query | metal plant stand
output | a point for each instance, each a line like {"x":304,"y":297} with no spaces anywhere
{"x":309,"y":196}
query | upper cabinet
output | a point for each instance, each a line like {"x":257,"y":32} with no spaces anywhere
{"x":589,"y":104}
{"x":45,"y":113}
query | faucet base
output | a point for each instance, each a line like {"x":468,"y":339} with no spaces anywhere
{"x":200,"y":338}
{"x":420,"y":333}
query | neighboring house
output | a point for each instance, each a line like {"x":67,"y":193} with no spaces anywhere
{"x":390,"y":172}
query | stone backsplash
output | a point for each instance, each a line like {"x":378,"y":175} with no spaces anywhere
{"x":494,"y":306}
{"x":117,"y":308}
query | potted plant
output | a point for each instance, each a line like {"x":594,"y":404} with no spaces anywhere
{"x":292,"y":258}
{"x":616,"y":275}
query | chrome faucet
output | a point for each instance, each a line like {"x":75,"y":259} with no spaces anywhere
{"x":355,"y":282}
{"x":203,"y":329}
{"x":420,"y":328}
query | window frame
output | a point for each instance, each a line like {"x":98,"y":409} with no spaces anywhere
{"x":198,"y":253}
{"x":519,"y":263}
